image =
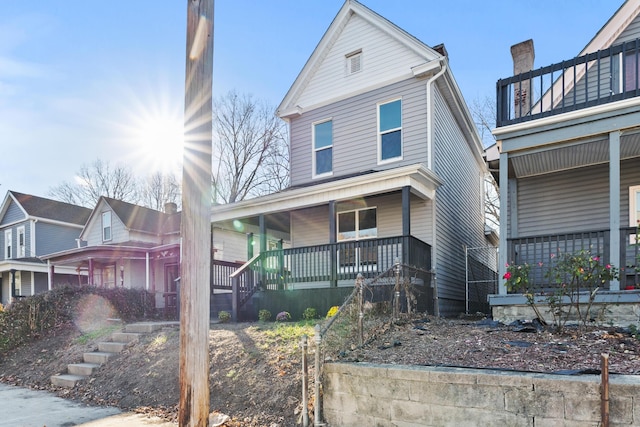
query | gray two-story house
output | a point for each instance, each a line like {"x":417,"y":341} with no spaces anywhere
{"x":31,"y":227}
{"x":569,"y":139}
{"x":386,"y":165}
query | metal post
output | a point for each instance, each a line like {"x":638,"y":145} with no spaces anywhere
{"x":466,"y":279}
{"x":359,"y":286}
{"x":317,"y":411}
{"x":305,"y":383}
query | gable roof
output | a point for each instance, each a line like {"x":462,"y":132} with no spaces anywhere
{"x":350,"y":8}
{"x":142,"y":219}
{"x":47,"y":209}
{"x":609,"y":33}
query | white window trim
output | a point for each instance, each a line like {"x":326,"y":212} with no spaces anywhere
{"x":379,"y":134}
{"x":21,"y":251}
{"x":8,"y":244}
{"x":313,"y":149}
{"x":102,"y":229}
{"x":357,"y":224}
{"x":633,"y":220}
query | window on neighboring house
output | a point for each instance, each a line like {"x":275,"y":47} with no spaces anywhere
{"x":106,"y":226}
{"x":634,"y":206}
{"x":7,"y":244}
{"x":357,"y":224}
{"x":354,"y":61}
{"x":323,"y":148}
{"x":390,"y":131}
{"x":21,"y":243}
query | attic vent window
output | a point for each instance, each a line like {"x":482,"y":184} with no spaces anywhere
{"x":354,"y":61}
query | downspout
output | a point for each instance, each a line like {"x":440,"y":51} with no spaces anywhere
{"x":434,"y":243}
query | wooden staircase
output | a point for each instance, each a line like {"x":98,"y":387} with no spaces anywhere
{"x":107,"y":350}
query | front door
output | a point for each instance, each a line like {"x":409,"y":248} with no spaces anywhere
{"x":171,"y":273}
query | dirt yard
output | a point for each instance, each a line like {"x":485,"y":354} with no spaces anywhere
{"x":255,"y":372}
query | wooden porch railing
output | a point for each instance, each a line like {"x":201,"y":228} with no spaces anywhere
{"x":321,"y":264}
{"x":540,"y":251}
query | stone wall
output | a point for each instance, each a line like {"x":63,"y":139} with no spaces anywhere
{"x":359,"y":394}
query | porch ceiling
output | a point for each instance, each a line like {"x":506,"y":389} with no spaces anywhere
{"x":572,"y":155}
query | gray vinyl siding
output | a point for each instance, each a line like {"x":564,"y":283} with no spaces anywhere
{"x":51,"y":238}
{"x":630,"y":33}
{"x":310,"y":226}
{"x":119,"y":233}
{"x":459,"y":208}
{"x":572,"y":201}
{"x":355,"y":121}
{"x":14,"y":239}
{"x":13,"y":214}
{"x":41,"y":282}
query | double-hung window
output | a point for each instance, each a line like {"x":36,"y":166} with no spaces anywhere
{"x":106,"y":226}
{"x":390,"y":131}
{"x":7,"y":244}
{"x":21,"y":243}
{"x":634,"y":206}
{"x":323,"y":148}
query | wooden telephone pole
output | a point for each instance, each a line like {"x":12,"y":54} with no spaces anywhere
{"x":196,"y":217}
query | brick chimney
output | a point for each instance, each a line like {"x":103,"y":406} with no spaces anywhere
{"x":170,"y":208}
{"x":523,"y":55}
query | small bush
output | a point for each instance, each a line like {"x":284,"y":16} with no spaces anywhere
{"x":264,"y":315}
{"x":283,"y":316}
{"x":309,"y":313}
{"x":224,"y":316}
{"x":332,"y":311}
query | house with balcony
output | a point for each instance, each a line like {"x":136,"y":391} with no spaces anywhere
{"x":386,"y":168}
{"x":30,"y":227}
{"x":569,"y":161}
{"x":127,"y":245}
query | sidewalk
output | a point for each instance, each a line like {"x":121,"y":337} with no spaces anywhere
{"x":22,"y":407}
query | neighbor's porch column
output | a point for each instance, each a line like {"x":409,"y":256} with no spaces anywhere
{"x":406,"y":222}
{"x":51,"y":272}
{"x":249,"y":246}
{"x":263,"y":233}
{"x":333,"y":237}
{"x":614,"y":205}
{"x":90,"y":278}
{"x":504,"y":202}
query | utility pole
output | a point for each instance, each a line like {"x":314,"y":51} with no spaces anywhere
{"x":196,"y":217}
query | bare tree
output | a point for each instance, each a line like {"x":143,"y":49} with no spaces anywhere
{"x":158,"y":189}
{"x":95,"y":180}
{"x":484,"y":116}
{"x":250,"y":155}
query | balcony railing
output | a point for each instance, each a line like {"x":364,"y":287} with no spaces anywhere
{"x":541,"y":252}
{"x":601,"y":77}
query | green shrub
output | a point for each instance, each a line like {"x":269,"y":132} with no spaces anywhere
{"x":224,"y":316}
{"x":309,"y":313}
{"x":264,"y":315}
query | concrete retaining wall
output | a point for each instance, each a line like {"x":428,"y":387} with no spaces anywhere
{"x":359,"y":394}
{"x":604,"y":314}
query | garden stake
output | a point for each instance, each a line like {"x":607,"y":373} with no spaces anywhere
{"x":305,"y":383}
{"x":604,"y":391}
{"x":316,"y":384}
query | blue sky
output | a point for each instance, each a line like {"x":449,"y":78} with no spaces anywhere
{"x":86,"y":80}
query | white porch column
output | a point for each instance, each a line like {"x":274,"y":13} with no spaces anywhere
{"x":614,"y":205}
{"x":50,"y":273}
{"x":504,"y":203}
{"x":146,"y":265}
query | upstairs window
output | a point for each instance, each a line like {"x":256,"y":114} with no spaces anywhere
{"x":7,"y":244}
{"x":21,"y":243}
{"x":106,"y":226}
{"x":353,"y":62}
{"x":390,"y":131}
{"x":323,"y":148}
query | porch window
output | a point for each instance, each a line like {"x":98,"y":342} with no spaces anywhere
{"x":21,"y":243}
{"x":323,"y":148}
{"x":390,"y":131}
{"x":634,"y":206}
{"x":106,"y":226}
{"x":7,"y":244}
{"x":357,"y":224}
{"x":105,"y":276}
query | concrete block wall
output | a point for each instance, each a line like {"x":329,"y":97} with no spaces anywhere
{"x":360,"y":394}
{"x":619,"y":314}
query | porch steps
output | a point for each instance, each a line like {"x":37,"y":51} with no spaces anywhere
{"x":107,"y":350}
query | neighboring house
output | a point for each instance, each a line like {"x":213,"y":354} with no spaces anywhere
{"x":569,"y":138}
{"x":31,"y":227}
{"x":126,"y":245}
{"x":386,"y":165}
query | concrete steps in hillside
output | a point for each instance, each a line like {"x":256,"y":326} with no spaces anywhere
{"x":107,"y":350}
